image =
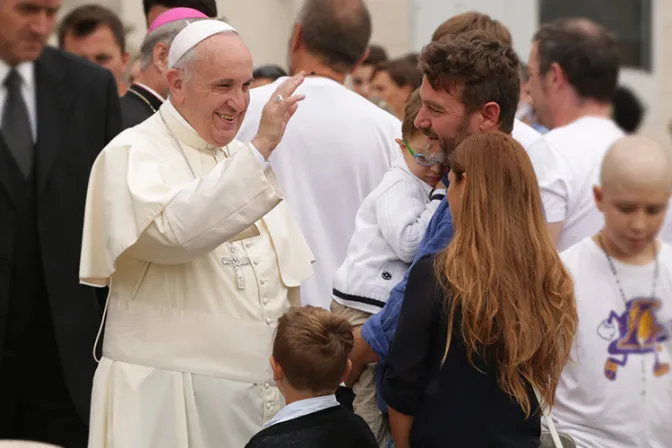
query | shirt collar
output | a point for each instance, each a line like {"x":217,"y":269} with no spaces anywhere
{"x":25,"y":70}
{"x":302,"y":408}
{"x":150,"y":90}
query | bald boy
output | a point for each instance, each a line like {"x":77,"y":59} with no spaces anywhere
{"x":617,"y":391}
{"x":634,"y":192}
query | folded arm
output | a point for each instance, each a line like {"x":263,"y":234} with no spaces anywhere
{"x":403,"y":215}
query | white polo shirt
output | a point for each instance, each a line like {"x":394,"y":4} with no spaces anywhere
{"x":567,"y":162}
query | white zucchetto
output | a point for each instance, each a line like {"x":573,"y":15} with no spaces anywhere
{"x":192,"y":35}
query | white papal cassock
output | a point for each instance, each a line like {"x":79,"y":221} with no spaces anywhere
{"x":200,"y":266}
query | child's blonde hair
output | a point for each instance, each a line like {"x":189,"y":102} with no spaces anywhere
{"x":413,"y":105}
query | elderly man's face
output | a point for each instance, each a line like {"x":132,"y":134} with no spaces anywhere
{"x":443,"y":117}
{"x":217,"y":92}
{"x":25,"y":26}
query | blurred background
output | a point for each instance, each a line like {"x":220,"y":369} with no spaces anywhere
{"x":402,"y":26}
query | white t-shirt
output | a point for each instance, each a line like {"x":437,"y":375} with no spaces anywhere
{"x":666,"y":231}
{"x":614,"y":393}
{"x":567,"y":162}
{"x":524,"y":134}
{"x":336,"y":149}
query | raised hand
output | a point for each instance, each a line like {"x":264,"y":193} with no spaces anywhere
{"x":276,"y":114}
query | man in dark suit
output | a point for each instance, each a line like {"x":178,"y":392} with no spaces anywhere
{"x":57,"y":112}
{"x":150,"y":88}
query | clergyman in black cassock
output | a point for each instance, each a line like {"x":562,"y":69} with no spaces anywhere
{"x":58,"y":112}
{"x":137,"y":105}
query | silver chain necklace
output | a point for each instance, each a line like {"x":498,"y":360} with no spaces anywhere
{"x":656,"y":271}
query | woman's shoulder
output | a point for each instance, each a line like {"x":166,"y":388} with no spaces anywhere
{"x":425,"y":266}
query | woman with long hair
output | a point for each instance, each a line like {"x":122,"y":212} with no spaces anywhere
{"x":489,"y":320}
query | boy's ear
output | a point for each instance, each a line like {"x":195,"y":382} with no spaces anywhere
{"x":278,"y":373}
{"x":400,"y":142}
{"x":348,"y":369}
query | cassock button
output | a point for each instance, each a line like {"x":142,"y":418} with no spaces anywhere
{"x":256,"y":262}
{"x":269,"y":406}
{"x":269,"y":321}
{"x":267,"y":386}
{"x":248,"y":245}
{"x":263,"y":282}
{"x":265,"y":301}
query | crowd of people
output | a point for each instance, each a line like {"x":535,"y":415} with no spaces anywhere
{"x":447,"y":248}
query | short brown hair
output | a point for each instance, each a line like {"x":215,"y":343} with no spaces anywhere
{"x":335,"y":32}
{"x":86,"y":19}
{"x":403,"y":71}
{"x":413,"y":106}
{"x":312,"y":345}
{"x":377,"y":55}
{"x":485,"y":69}
{"x":586,"y":52}
{"x":473,"y":21}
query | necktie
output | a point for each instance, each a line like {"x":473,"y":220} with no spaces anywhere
{"x":16,"y":124}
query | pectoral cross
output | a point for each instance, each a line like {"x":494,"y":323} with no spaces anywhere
{"x":237,"y":266}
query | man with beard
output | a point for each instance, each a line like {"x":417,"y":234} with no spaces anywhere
{"x":454,"y":107}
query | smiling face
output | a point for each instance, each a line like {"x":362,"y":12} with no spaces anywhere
{"x":443,"y":116}
{"x":213,"y":91}
{"x":25,"y":26}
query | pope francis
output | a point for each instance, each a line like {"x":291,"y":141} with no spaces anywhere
{"x":188,"y":229}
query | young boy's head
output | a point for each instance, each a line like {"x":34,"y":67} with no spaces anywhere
{"x":310,"y":352}
{"x":634,"y":192}
{"x":420,"y":152}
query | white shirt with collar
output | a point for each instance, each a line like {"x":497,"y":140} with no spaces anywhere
{"x":389,"y":228}
{"x":302,"y":408}
{"x":28,"y":90}
{"x":150,"y":90}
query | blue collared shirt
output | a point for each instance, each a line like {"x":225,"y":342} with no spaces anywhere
{"x":379,"y":330}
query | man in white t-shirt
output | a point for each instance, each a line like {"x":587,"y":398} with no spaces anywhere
{"x":573,"y":69}
{"x":616,"y":391}
{"x":339,"y":145}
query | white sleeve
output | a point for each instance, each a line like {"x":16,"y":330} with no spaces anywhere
{"x":210,"y":210}
{"x":553,"y":176}
{"x":403,"y":214}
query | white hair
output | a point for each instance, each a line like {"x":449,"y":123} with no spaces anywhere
{"x":165,"y":34}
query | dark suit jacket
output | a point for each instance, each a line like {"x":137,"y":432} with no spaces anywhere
{"x":137,"y":105}
{"x":77,"y":115}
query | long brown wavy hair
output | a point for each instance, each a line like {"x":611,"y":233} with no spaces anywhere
{"x":501,"y":271}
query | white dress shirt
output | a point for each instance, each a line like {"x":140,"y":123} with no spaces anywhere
{"x":302,"y":408}
{"x":28,"y":90}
